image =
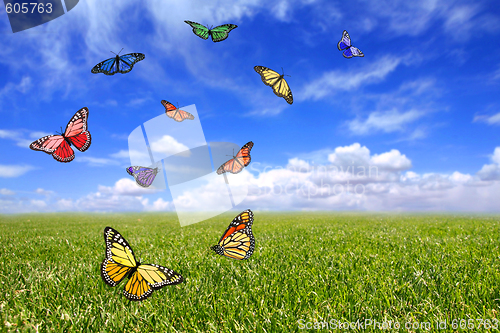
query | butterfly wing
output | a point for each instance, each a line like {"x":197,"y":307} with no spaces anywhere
{"x":199,"y":30}
{"x":238,"y":241}
{"x":268,"y":76}
{"x":282,"y":89}
{"x":175,"y":113}
{"x":352,"y":52}
{"x":148,"y":278}
{"x":107,"y":66}
{"x":76,"y":130}
{"x":56,"y":146}
{"x":127,"y":61}
{"x":237,"y":163}
{"x":123,"y":64}
{"x":221,"y":32}
{"x":47,"y":144}
{"x":143,"y":176}
{"x":345,"y":41}
{"x":120,"y":259}
{"x":275,"y":81}
{"x":133,"y":169}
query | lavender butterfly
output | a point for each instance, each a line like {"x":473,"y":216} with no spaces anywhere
{"x":349,"y":51}
{"x":143,"y":176}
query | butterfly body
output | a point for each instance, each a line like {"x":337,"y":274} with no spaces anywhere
{"x":175,"y":113}
{"x":238,"y":241}
{"x":120,"y":263}
{"x":59,"y":146}
{"x":276,"y":81}
{"x":218,"y":33}
{"x":143,"y":176}
{"x":119,"y":64}
{"x":349,"y":51}
{"x":238,"y":162}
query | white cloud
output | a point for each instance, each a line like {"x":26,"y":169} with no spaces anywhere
{"x":168,"y":145}
{"x":491,"y":171}
{"x":392,"y":160}
{"x":22,"y":87}
{"x":458,"y":19}
{"x":159,"y":205}
{"x":4,"y":191}
{"x":350,"y":155}
{"x":12,"y":171}
{"x":496,"y":155}
{"x":96,"y":161}
{"x":303,"y":185}
{"x":387,"y":122}
{"x":298,"y":165}
{"x":347,"y":79}
{"x":125,"y":187}
{"x":43,"y":192}
{"x":490,"y":120}
{"x":19,"y":136}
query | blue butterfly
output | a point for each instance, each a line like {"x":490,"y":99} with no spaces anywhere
{"x":349,"y":51}
{"x":123,"y":64}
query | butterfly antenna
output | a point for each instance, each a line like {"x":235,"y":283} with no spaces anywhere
{"x":118,"y":52}
{"x":283,"y":71}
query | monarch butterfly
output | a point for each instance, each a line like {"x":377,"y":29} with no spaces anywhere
{"x":237,"y":242}
{"x":143,"y":176}
{"x":119,"y":64}
{"x":175,"y":113}
{"x":120,"y":262}
{"x":59,"y":146}
{"x":349,"y":51}
{"x":218,"y":34}
{"x":275,"y":81}
{"x":238,"y":162}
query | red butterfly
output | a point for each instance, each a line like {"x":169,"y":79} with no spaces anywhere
{"x":238,"y":162}
{"x":175,"y":113}
{"x":59,"y":145}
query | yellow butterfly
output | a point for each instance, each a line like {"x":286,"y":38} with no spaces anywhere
{"x":275,"y":81}
{"x":120,"y":262}
{"x":238,"y":241}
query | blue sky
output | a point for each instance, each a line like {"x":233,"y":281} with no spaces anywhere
{"x":421,"y":107}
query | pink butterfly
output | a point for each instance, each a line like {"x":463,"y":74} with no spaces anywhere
{"x":59,"y":145}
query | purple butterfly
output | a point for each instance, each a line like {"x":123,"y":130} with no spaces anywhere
{"x":143,"y":176}
{"x":349,"y":51}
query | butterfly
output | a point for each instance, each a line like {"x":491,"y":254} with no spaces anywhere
{"x":275,"y":81}
{"x":119,"y":64}
{"x":238,"y":162}
{"x":237,"y":242}
{"x":218,"y":33}
{"x":349,"y":51}
{"x":59,"y":146}
{"x":143,"y":176}
{"x":175,"y":113}
{"x":120,"y":262}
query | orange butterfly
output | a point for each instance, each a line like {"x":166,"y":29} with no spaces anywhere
{"x":175,"y":113}
{"x":238,"y":162}
{"x":238,"y":241}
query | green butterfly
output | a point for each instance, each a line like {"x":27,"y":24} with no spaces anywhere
{"x":218,"y":33}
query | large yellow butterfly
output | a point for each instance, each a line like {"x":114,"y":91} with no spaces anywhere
{"x":238,"y":241}
{"x":275,"y":81}
{"x":120,"y":262}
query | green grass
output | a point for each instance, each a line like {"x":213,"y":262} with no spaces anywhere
{"x":315,"y":267}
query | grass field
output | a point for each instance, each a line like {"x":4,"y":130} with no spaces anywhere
{"x":306,"y":268}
